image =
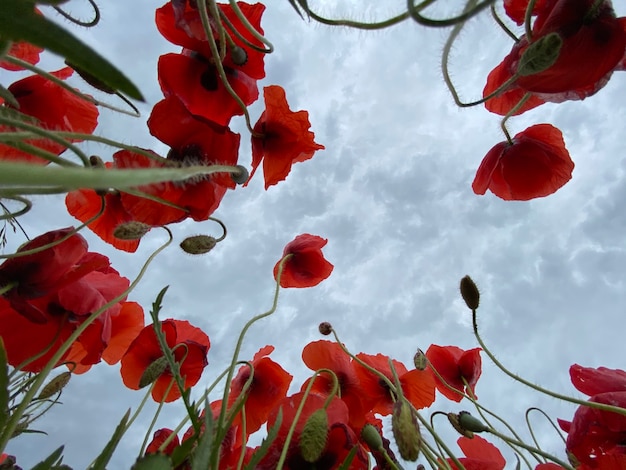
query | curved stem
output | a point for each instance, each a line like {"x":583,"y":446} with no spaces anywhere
{"x":462,"y":18}
{"x":249,"y":27}
{"x":504,"y":27}
{"x":88,"y":24}
{"x":13,"y":215}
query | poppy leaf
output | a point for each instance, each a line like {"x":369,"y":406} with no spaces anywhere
{"x":156,"y":305}
{"x":349,"y":458}
{"x":4,"y":386}
{"x":51,"y":461}
{"x":203,"y":453}
{"x":153,"y":462}
{"x":103,"y":459}
{"x":19,"y":22}
{"x":260,"y":452}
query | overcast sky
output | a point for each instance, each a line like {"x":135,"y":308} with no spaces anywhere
{"x":392,"y":193}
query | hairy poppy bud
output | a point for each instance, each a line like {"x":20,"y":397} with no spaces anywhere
{"x":406,"y":430}
{"x":55,"y":385}
{"x":420,"y":360}
{"x":540,"y":55}
{"x":198,"y":244}
{"x":153,"y":372}
{"x":454,"y":421}
{"x":241,"y":176}
{"x":314,"y":435}
{"x":239,"y":55}
{"x":372,"y":437}
{"x":96,"y":162}
{"x":325,"y":328}
{"x":470,"y":293}
{"x":131,"y":230}
{"x":467,"y":421}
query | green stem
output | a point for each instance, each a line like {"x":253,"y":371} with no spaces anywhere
{"x":250,"y":28}
{"x":460,"y":19}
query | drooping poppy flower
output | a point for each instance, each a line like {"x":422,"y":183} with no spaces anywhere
{"x":516,"y":9}
{"x":340,"y":439}
{"x":284,"y":139}
{"x":180,"y":23}
{"x":269,"y":386}
{"x":418,"y":386}
{"x":329,"y":355}
{"x":193,"y":143}
{"x":191,"y":353}
{"x":54,"y":108}
{"x":460,"y":369}
{"x":589,"y":44}
{"x":591,"y":381}
{"x":534,"y":165}
{"x":480,"y":454}
{"x":306,"y":267}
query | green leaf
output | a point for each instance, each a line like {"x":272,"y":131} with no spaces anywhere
{"x":4,"y":386}
{"x":19,"y":22}
{"x":106,"y":454}
{"x":345,"y":465}
{"x":157,"y":305}
{"x":260,"y":452}
{"x":53,"y":460}
{"x":8,"y":97}
{"x":153,"y":462}
{"x":202,"y":454}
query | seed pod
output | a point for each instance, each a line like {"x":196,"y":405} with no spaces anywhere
{"x":406,"y":430}
{"x":55,"y":385}
{"x":131,"y":230}
{"x":314,"y":435}
{"x":153,"y":372}
{"x":198,"y":244}
{"x":325,"y":328}
{"x":470,"y":293}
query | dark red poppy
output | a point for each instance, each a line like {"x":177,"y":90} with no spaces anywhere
{"x":193,"y":143}
{"x":457,"y":367}
{"x":306,"y":267}
{"x":593,"y":43}
{"x":158,"y":439}
{"x":591,"y":381}
{"x":285,"y":137}
{"x":269,"y":386}
{"x":193,"y":346}
{"x":54,"y":108}
{"x":534,"y":165}
{"x":84,"y":204}
{"x":479,"y":455}
{"x":516,"y":9}
{"x":329,"y":355}
{"x":418,"y":386}
{"x":340,"y":440}
{"x":180,"y":23}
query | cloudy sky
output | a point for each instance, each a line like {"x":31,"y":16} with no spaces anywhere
{"x":392,"y":193}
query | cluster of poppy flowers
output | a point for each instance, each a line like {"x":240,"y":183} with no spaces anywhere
{"x":569,"y":53}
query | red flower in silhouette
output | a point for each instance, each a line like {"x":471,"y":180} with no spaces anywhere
{"x":592,"y":44}
{"x":306,"y":267}
{"x":536,"y":164}
{"x":193,"y":346}
{"x":269,"y":386}
{"x":54,"y":108}
{"x":479,"y":455}
{"x":456,"y":367}
{"x":284,"y":139}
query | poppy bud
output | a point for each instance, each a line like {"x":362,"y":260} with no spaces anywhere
{"x":454,"y":421}
{"x":96,"y":162}
{"x":325,"y":328}
{"x":372,"y":437}
{"x":467,"y":421}
{"x":420,"y":360}
{"x":314,"y":435}
{"x":406,"y":430}
{"x":540,"y":55}
{"x":239,"y":55}
{"x":470,"y":293}
{"x":131,"y":230}
{"x":241,"y":176}
{"x":55,"y":385}
{"x":198,"y":244}
{"x":153,"y":371}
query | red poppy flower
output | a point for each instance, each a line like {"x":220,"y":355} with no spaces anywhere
{"x":516,"y":9}
{"x":180,"y":23}
{"x":479,"y":455}
{"x":54,"y":108}
{"x":418,"y":386}
{"x":23,"y":51}
{"x":269,"y":386}
{"x":145,"y":349}
{"x":196,"y":83}
{"x":84,"y":204}
{"x":535,"y":165}
{"x":592,"y":381}
{"x":306,"y":266}
{"x":592,"y":46}
{"x":192,"y":142}
{"x":285,"y":137}
{"x":339,"y":442}
{"x":158,"y":438}
{"x":456,"y":367}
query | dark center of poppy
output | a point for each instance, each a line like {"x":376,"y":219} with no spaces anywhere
{"x":186,"y":156}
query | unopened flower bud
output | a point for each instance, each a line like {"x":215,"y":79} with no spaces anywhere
{"x":314,"y":435}
{"x":132,"y":230}
{"x":453,"y":418}
{"x":241,"y":176}
{"x":372,"y":437}
{"x":467,"y":421}
{"x":406,"y":430}
{"x":420,"y":360}
{"x":239,"y":55}
{"x":325,"y":328}
{"x":470,"y":293}
{"x":55,"y":385}
{"x":198,"y":244}
{"x":540,"y":55}
{"x":96,"y":162}
{"x":153,"y":372}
